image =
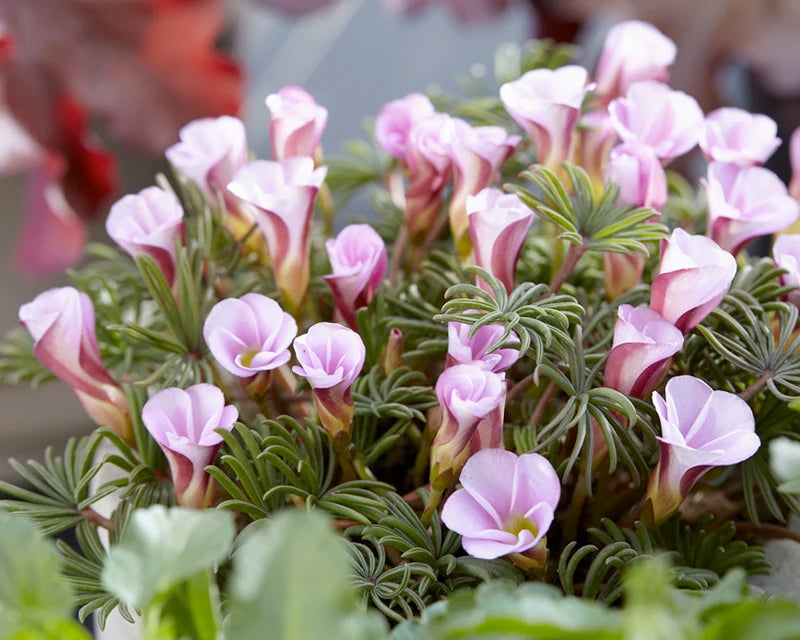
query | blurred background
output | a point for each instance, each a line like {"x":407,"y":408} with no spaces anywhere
{"x":93,"y":91}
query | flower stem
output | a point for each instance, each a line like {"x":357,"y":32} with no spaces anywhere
{"x":758,"y":384}
{"x":91,"y":516}
{"x":574,"y":254}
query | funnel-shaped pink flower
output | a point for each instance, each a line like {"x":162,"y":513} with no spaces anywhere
{"x":463,"y":349}
{"x":694,"y":276}
{"x":183,"y":423}
{"x":358,"y":260}
{"x":429,"y":168}
{"x":395,"y":120}
{"x":498,"y":225}
{"x":639,"y":174}
{"x":330,"y":357}
{"x":596,"y":137}
{"x":210,"y":152}
{"x":297,"y":123}
{"x":249,"y":334}
{"x":786,"y":252}
{"x":633,"y":51}
{"x":148,"y":223}
{"x":745,"y":203}
{"x":794,"y":161}
{"x":61,"y":322}
{"x":653,"y":114}
{"x":283,"y":194}
{"x":700,"y":428}
{"x":477,"y":154}
{"x":642,"y":351}
{"x":506,"y":505}
{"x":547,"y":104}
{"x":467,"y":393}
{"x":739,"y":137}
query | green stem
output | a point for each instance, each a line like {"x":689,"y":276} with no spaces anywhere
{"x":574,"y":254}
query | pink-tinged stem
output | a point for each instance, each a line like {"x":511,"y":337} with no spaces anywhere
{"x":574,"y":254}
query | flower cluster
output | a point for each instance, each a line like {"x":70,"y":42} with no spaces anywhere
{"x":544,"y":361}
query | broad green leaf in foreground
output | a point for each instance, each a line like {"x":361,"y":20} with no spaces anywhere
{"x":292,"y":577}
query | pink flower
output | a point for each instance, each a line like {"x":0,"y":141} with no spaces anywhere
{"x":786,"y":252}
{"x":463,"y":349}
{"x":330,"y":357}
{"x":395,"y":119}
{"x":477,"y":154}
{"x":506,"y":505}
{"x":358,"y":260}
{"x":61,"y":322}
{"x":639,"y":174}
{"x":694,"y":276}
{"x":633,"y":51}
{"x":467,"y":393}
{"x":297,"y":123}
{"x":183,"y":423}
{"x":282,"y":194}
{"x":429,"y":165}
{"x":700,"y":428}
{"x":210,"y":152}
{"x":745,"y":203}
{"x":148,"y":224}
{"x":738,"y":137}
{"x":249,"y":334}
{"x":642,"y":351}
{"x":498,"y":226}
{"x":547,"y":104}
{"x":652,"y":114}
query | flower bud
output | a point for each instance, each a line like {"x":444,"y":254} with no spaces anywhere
{"x":148,"y":223}
{"x":642,"y":351}
{"x":358,"y":261}
{"x":330,"y":357}
{"x":61,"y":322}
{"x":183,"y":423}
{"x":498,"y":225}
{"x":700,"y":429}
{"x":694,"y":276}
{"x":297,"y":123}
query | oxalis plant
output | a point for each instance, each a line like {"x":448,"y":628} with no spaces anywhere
{"x":536,"y":397}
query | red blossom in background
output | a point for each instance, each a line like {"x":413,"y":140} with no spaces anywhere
{"x":126,"y":62}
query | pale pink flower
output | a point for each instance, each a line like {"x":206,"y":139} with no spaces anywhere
{"x":700,"y":429}
{"x":463,"y":349}
{"x":395,"y":119}
{"x":694,"y":276}
{"x":358,"y":261}
{"x":653,"y":114}
{"x":330,"y":356}
{"x":745,"y":203}
{"x":786,"y":253}
{"x":184,"y":423}
{"x":282,"y":195}
{"x":547,"y":104}
{"x":641,"y":352}
{"x":498,"y":225}
{"x":633,"y":51}
{"x":61,"y":322}
{"x":506,"y":505}
{"x":639,"y":174}
{"x":739,"y":137}
{"x":249,"y":334}
{"x":297,"y":123}
{"x":429,"y":166}
{"x":477,"y":154}
{"x":467,"y":393}
{"x":148,"y":223}
{"x":210,"y":152}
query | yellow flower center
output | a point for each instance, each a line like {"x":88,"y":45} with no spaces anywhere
{"x":517,"y":523}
